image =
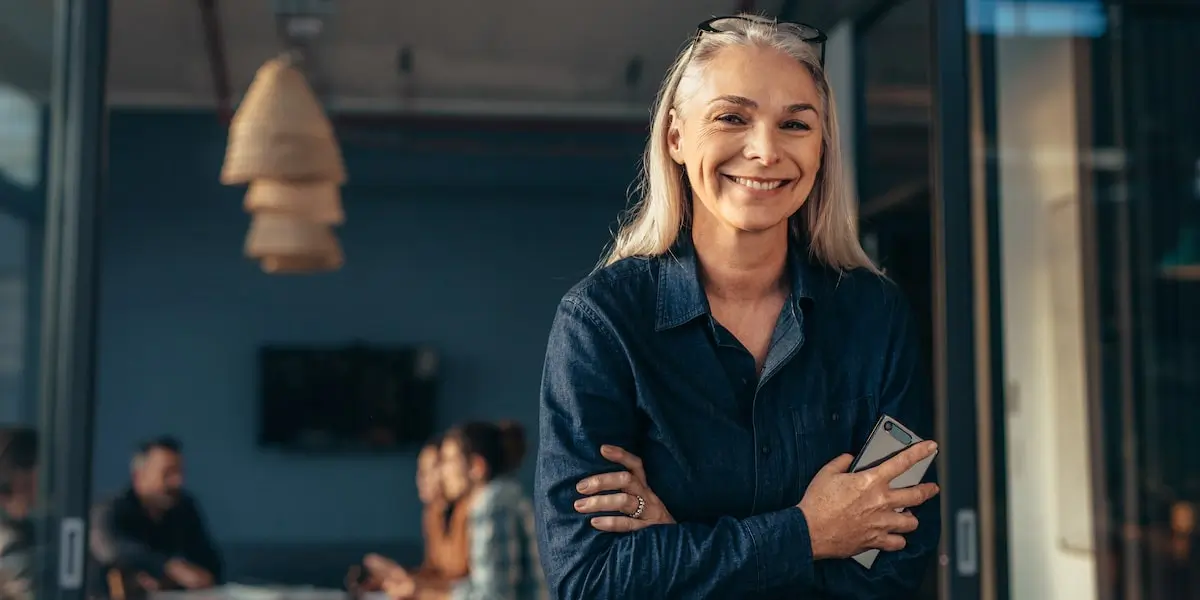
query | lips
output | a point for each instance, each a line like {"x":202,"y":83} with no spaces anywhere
{"x":758,"y":183}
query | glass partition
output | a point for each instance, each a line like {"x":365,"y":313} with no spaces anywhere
{"x":51,"y":139}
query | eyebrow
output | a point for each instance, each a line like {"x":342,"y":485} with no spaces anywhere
{"x":748,"y":103}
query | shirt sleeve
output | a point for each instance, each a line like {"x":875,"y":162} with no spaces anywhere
{"x":201,"y":550}
{"x":112,"y":546}
{"x":587,"y":399}
{"x":903,"y":394}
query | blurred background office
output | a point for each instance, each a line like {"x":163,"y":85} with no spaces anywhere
{"x":1028,"y":170}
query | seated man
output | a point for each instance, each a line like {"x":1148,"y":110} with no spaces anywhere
{"x":153,"y":532}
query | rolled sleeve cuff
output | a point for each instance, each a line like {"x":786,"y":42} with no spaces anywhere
{"x":783,"y":547}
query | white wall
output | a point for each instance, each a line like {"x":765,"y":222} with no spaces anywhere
{"x":1050,"y":505}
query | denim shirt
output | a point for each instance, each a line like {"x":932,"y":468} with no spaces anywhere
{"x":635,"y":359}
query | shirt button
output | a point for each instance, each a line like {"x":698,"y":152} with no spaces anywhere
{"x":766,"y":450}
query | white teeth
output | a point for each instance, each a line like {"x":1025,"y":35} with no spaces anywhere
{"x":758,"y":185}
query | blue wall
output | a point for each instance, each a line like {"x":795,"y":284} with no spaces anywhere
{"x":463,"y":239}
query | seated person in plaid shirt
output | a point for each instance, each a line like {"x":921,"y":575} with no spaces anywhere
{"x":476,"y":465}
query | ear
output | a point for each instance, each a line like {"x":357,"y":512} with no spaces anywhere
{"x":674,"y":137}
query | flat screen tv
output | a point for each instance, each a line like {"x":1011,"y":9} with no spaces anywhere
{"x":356,"y":398}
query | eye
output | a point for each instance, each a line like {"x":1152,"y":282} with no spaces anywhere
{"x":732,"y":119}
{"x":797,"y":125}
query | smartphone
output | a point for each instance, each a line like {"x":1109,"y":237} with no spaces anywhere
{"x":888,"y":438}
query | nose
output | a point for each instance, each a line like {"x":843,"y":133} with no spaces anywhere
{"x":762,"y":144}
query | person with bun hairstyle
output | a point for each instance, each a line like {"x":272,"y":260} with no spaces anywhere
{"x":476,"y":462}
{"x":513,"y":436}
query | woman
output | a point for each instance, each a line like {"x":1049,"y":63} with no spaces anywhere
{"x":443,"y":525}
{"x":502,"y":557}
{"x":738,"y":340}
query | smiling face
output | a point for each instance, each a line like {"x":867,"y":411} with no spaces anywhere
{"x":749,"y":133}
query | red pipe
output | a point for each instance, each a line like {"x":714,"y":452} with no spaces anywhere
{"x":214,"y":43}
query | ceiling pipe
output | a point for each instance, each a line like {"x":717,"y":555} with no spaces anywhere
{"x":214,"y":44}
{"x":489,"y":124}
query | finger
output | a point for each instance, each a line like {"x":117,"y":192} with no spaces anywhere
{"x":606,"y":482}
{"x":912,"y":496}
{"x":619,"y":524}
{"x":897,"y":465}
{"x":619,"y":502}
{"x":902,"y":522}
{"x":626,"y":459}
{"x":892,"y":543}
{"x":377,"y":561}
{"x":841,"y":464}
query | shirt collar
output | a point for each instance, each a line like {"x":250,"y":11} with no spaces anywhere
{"x":681,"y":297}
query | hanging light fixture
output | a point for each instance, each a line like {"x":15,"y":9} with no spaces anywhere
{"x":282,"y":145}
{"x":280,"y":131}
{"x":288,"y":242}
{"x":318,"y":202}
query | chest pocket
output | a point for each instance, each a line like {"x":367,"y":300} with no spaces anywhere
{"x":832,"y":426}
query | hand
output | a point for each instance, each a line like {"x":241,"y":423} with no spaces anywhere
{"x":394,"y":580}
{"x":187,"y":574}
{"x":400,"y":587}
{"x":380,"y":567}
{"x":629,"y":484}
{"x":146,"y":582}
{"x":851,"y":512}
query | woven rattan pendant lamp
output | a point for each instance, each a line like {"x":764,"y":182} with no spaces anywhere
{"x":282,"y":145}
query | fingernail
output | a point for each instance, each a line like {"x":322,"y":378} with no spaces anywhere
{"x":932,"y":446}
{"x":606,"y":449}
{"x":579,"y":504}
{"x":583,"y":485}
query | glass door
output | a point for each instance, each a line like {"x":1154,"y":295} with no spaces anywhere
{"x":51,"y":143}
{"x":1143,"y":98}
{"x":917,"y":154}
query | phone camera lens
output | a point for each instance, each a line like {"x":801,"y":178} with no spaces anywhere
{"x":887,"y":426}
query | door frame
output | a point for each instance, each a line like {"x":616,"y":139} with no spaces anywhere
{"x":968,"y":329}
{"x":969,"y":320}
{"x":78,"y":144}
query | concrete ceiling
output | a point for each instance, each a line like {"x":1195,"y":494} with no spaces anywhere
{"x":536,"y":57}
{"x":540,"y":55}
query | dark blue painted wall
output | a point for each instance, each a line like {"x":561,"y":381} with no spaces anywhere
{"x":466,"y":239}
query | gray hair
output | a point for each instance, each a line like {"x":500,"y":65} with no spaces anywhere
{"x":828,"y":221}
